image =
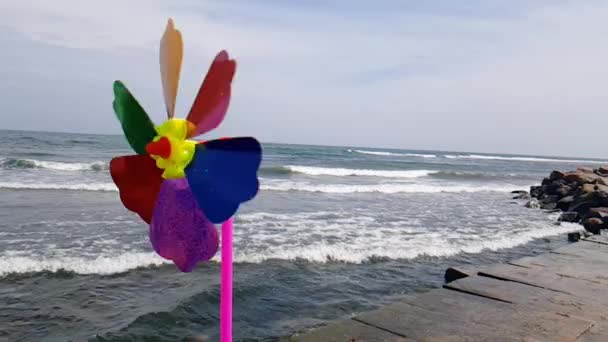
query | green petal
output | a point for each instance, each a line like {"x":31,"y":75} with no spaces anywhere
{"x":136,"y":124}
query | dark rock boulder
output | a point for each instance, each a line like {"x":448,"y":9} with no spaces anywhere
{"x":549,"y":199}
{"x":602,"y":171}
{"x":455,"y":273}
{"x":536,"y":191}
{"x":564,"y":191}
{"x":582,"y":195}
{"x":556,"y":175}
{"x":568,"y":216}
{"x":600,"y":212}
{"x":564,"y":203}
{"x":594,"y":225}
{"x":549,"y":206}
{"x":555,"y":187}
{"x":574,"y":237}
{"x":584,"y":202}
{"x":519,"y":192}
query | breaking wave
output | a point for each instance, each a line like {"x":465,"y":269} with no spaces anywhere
{"x":385,"y":153}
{"x":15,"y":163}
{"x":383,"y":188}
{"x":527,"y":159}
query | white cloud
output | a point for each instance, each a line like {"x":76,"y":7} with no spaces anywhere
{"x":408,"y":78}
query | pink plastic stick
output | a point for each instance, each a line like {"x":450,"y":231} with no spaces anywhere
{"x":226,"y":285}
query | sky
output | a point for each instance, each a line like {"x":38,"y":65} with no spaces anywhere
{"x":502,"y":76}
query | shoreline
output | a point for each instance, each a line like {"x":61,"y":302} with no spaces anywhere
{"x":524,"y":286}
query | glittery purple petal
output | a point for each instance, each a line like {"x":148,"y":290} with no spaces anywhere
{"x":179,"y":230}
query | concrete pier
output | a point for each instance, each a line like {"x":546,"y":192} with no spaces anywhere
{"x":558,"y":296}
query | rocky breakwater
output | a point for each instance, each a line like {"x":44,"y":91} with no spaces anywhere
{"x":582,"y":195}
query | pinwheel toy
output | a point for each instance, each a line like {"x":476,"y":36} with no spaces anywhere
{"x":181,"y":187}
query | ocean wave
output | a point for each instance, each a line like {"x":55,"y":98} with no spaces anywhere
{"x":80,"y":265}
{"x":340,"y":172}
{"x":433,"y":244}
{"x":274,"y":170}
{"x":472,"y":175}
{"x":59,"y":186}
{"x":345,"y":172}
{"x":436,"y":246}
{"x":273,"y":185}
{"x":15,"y":163}
{"x":384,"y":188}
{"x":384,"y":153}
{"x":527,"y":159}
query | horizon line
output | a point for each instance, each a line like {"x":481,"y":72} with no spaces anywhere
{"x":345,"y":146}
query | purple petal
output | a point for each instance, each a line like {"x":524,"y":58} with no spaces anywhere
{"x":179,"y":230}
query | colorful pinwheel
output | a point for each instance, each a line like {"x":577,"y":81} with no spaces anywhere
{"x":179,"y":186}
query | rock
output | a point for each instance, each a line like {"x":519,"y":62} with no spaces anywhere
{"x":564,"y":203}
{"x":584,"y":202}
{"x":564,"y":191}
{"x":523,"y":196}
{"x":600,"y":212}
{"x":546,"y":181}
{"x":602,"y":170}
{"x":586,"y":188}
{"x":455,"y":273}
{"x":574,"y":237}
{"x":584,"y":169}
{"x":519,"y":192}
{"x":594,"y":187}
{"x":556,"y":175}
{"x":584,"y":178}
{"x":555,"y":187}
{"x":594,"y":225}
{"x":549,"y":199}
{"x":536,"y":191}
{"x":568,"y":217}
{"x":533,"y":203}
{"x":549,"y":206}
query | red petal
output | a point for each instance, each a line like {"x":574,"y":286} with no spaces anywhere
{"x":138,"y":180}
{"x":211,"y":102}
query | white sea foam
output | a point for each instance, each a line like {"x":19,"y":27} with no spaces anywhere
{"x":322,"y":236}
{"x":325,"y":171}
{"x":382,"y":188}
{"x":59,"y":186}
{"x":385,"y":153}
{"x":270,"y":185}
{"x":81,"y":265}
{"x":52,"y":165}
{"x":417,"y":245}
{"x":528,"y":159}
{"x":355,"y":251}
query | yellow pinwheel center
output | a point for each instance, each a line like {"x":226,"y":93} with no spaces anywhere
{"x":170,"y":148}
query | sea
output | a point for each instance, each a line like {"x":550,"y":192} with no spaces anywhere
{"x":334,"y":231}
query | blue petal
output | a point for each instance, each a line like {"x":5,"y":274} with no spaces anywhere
{"x":223,"y":174}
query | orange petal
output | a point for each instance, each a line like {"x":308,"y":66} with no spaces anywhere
{"x":171,"y":54}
